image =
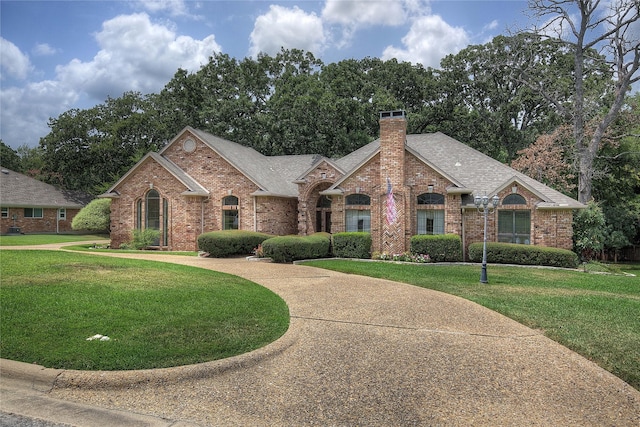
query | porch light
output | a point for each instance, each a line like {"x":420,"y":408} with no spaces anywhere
{"x":482,"y":204}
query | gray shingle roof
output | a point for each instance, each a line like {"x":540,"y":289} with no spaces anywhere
{"x":17,"y":190}
{"x":275,"y":175}
{"x":470,"y":170}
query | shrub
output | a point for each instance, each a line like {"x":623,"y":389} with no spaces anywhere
{"x":440,"y":248}
{"x":511,"y":253}
{"x":96,"y":216}
{"x":144,"y":238}
{"x":291,"y":248}
{"x":221,"y":244}
{"x":352,"y":245}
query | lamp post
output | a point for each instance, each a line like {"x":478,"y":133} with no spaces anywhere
{"x":482,"y":204}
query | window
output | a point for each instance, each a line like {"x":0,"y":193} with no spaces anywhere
{"x":62,"y":214}
{"x":431,"y":199}
{"x":230,"y":213}
{"x":139,"y":214}
{"x":514,"y":226}
{"x":165,"y":223}
{"x":358,"y":216}
{"x":5,"y":212}
{"x":33,"y":212}
{"x":323,"y":214}
{"x":152,"y":209}
{"x":430,"y":221}
{"x":514,"y":199}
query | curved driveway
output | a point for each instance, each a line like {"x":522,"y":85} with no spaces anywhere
{"x":365,"y":352}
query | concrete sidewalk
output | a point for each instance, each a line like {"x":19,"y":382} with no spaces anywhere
{"x":360,"y":351}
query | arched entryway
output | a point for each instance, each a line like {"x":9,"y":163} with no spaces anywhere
{"x":323,"y":215}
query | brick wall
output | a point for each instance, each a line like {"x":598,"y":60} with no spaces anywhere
{"x":47,"y":224}
{"x":319,"y":179}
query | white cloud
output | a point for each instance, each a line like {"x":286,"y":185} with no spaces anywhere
{"x":173,"y":7}
{"x":12,"y":61}
{"x":43,"y":49}
{"x":288,"y":28}
{"x":365,"y":12}
{"x":135,"y":54}
{"x":491,"y":26}
{"x":428,"y":41}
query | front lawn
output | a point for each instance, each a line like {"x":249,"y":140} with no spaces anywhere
{"x":155,"y":314}
{"x":45,"y":239}
{"x":595,"y":315}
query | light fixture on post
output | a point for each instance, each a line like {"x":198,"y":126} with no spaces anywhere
{"x":482,"y":204}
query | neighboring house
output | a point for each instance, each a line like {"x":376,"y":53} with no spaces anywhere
{"x":199,"y":183}
{"x":31,"y":206}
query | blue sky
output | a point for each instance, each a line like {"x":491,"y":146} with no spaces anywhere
{"x":58,"y":55}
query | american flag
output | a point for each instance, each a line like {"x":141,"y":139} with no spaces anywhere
{"x":392,"y":212}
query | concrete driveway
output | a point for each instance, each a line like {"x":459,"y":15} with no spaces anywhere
{"x":359,"y":352}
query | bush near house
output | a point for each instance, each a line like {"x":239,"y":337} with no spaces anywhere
{"x":291,"y":248}
{"x":221,"y":244}
{"x":510,"y":253}
{"x":440,"y":248}
{"x":352,"y":245}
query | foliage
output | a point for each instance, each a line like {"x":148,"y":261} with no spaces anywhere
{"x":351,"y":245}
{"x":95,"y":217}
{"x":589,"y":231}
{"x":403,"y":257}
{"x":221,"y":244}
{"x":549,"y":161}
{"x":511,"y":253}
{"x":594,"y":315}
{"x":291,"y":248}
{"x":157,"y":315}
{"x":440,"y":248}
{"x":142,"y":239}
{"x":9,"y":158}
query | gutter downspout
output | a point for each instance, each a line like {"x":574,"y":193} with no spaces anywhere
{"x":255,"y":213}
{"x":464,"y":238}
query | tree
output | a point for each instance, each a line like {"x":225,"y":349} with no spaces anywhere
{"x":585,"y":25}
{"x":589,"y":231}
{"x":94,"y":217}
{"x":9,"y":158}
{"x":547,"y":160}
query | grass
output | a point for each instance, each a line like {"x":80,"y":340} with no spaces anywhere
{"x":595,"y":315}
{"x":156,"y":315}
{"x":44,"y":239}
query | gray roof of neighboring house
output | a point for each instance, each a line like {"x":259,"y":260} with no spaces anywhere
{"x":18,"y":190}
{"x":275,"y":175}
{"x":470,"y":170}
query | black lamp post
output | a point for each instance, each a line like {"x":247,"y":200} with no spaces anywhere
{"x":482,"y":204}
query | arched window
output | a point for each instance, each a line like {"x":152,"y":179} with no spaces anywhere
{"x":430,"y":220}
{"x":358,"y":199}
{"x":514,"y":225}
{"x":230,"y":213}
{"x":152,"y":212}
{"x":431,"y":199}
{"x":514,"y":199}
{"x":358,"y":215}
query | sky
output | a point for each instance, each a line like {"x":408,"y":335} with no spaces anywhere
{"x":59,"y":55}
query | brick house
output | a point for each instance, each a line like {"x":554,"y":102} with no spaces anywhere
{"x":31,"y":206}
{"x":199,"y":182}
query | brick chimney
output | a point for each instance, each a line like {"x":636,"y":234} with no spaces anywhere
{"x":393,"y":136}
{"x":394,"y":230}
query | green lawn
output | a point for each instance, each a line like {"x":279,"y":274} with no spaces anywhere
{"x":155,"y":314}
{"x":44,"y":239}
{"x":595,"y":315}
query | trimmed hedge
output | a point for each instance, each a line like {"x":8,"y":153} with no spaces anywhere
{"x":221,"y":244}
{"x":291,"y":248}
{"x":352,"y":245}
{"x":440,"y":248}
{"x":511,"y":253}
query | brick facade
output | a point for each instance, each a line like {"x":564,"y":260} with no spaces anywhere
{"x":49,"y":223}
{"x":321,"y":192}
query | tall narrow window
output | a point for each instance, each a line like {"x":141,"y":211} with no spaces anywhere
{"x":152,"y":205}
{"x":62,"y":214}
{"x":323,"y":214}
{"x":5,"y":212}
{"x":430,"y":216}
{"x":358,"y":213}
{"x":230,"y":217}
{"x":165,"y":222}
{"x":139,"y":214}
{"x":514,"y":226}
